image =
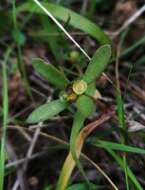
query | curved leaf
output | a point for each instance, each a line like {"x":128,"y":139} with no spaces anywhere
{"x":98,"y":63}
{"x":78,"y":123}
{"x":76,"y":20}
{"x":47,"y":111}
{"x":50,"y":73}
{"x":76,"y":144}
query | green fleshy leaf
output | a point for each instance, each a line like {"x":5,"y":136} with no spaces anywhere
{"x":47,"y":111}
{"x":50,"y":73}
{"x":98,"y":63}
{"x":85,"y":105}
{"x":64,"y":14}
{"x":91,"y":89}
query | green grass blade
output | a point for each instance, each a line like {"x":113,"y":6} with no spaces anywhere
{"x":98,"y":63}
{"x":78,"y":187}
{"x":135,"y":45}
{"x":120,"y":161}
{"x":76,"y":20}
{"x":141,"y":61}
{"x":129,"y":172}
{"x":50,"y":73}
{"x":120,"y":108}
{"x":5,"y":119}
{"x":47,"y":111}
{"x":19,"y":39}
{"x":121,"y":118}
{"x":82,"y":186}
{"x":117,"y":146}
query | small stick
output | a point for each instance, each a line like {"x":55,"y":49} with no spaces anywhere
{"x":29,"y":152}
{"x":129,"y":21}
{"x":20,"y":161}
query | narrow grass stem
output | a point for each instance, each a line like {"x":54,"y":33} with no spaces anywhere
{"x":120,"y":112}
{"x":5,"y":118}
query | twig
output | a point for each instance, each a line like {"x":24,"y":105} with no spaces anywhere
{"x":21,"y":161}
{"x":101,"y":171}
{"x":129,"y":21}
{"x":139,"y":112}
{"x":135,"y":126}
{"x":30,"y":150}
{"x":13,"y":157}
{"x":84,"y":6}
{"x":16,"y":185}
{"x":20,"y":113}
{"x":21,"y":130}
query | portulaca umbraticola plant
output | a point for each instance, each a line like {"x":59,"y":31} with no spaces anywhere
{"x":81,"y":92}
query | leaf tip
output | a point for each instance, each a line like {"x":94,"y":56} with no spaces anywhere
{"x":106,"y":47}
{"x":29,"y":120}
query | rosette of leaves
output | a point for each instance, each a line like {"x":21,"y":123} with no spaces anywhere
{"x":81,"y":91}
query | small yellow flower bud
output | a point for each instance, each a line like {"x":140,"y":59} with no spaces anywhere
{"x":79,"y":87}
{"x":74,"y":56}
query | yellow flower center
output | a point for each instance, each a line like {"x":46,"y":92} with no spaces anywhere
{"x":79,"y":87}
